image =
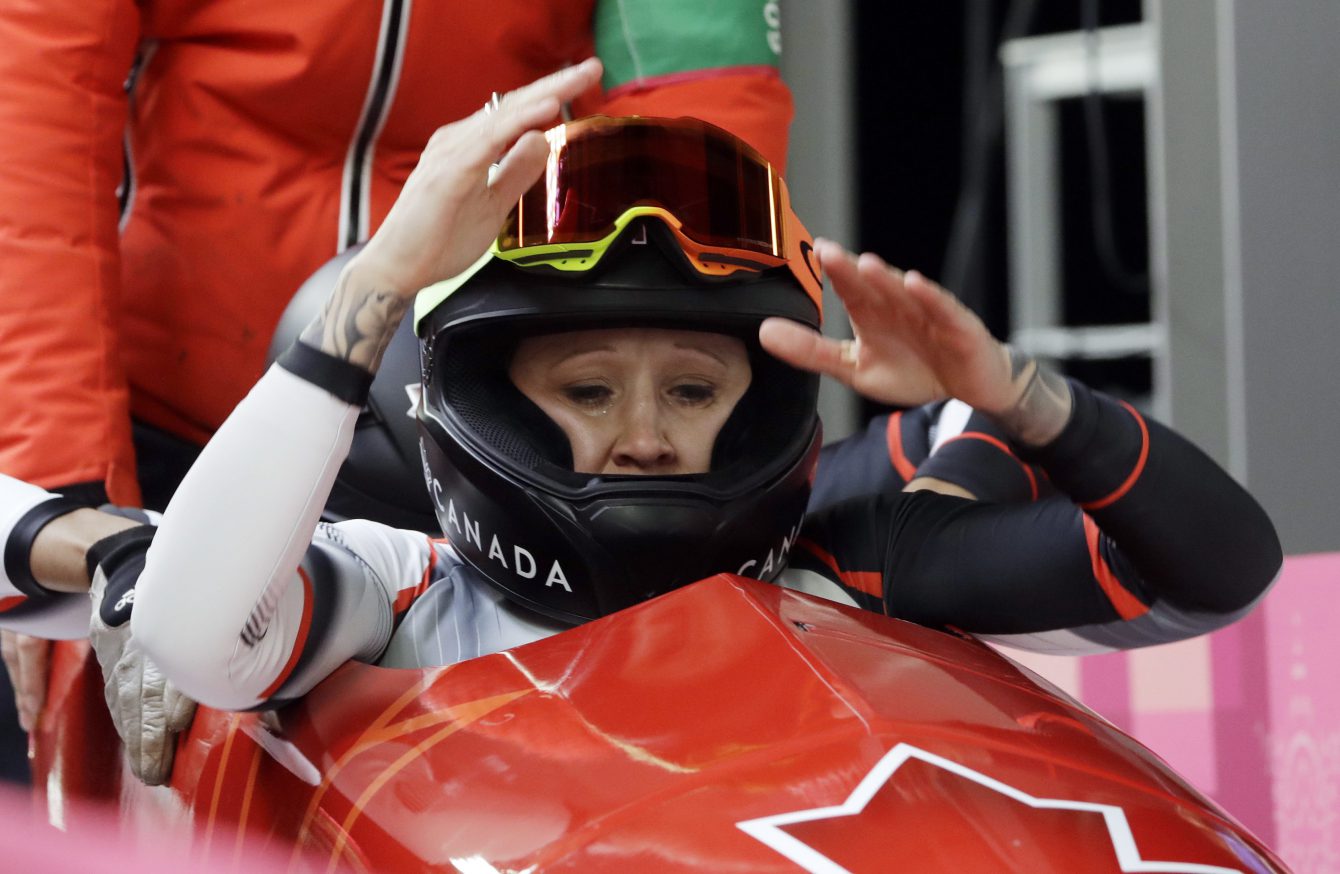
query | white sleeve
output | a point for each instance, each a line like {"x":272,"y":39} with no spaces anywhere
{"x":217,"y":606}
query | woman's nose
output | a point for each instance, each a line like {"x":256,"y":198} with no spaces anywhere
{"x":642,"y":446}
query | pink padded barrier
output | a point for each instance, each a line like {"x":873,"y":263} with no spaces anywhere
{"x":1250,"y":715}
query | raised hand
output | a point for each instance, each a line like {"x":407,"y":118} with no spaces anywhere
{"x":914,"y":343}
{"x":447,"y":215}
{"x":450,"y":209}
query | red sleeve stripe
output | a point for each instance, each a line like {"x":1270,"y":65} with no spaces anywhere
{"x":893,"y":435}
{"x":1126,"y":604}
{"x":869,"y":582}
{"x":1135,"y":474}
{"x":647,"y":83}
{"x":405,"y":597}
{"x":1003,"y":447}
{"x":11,"y":602}
{"x":303,"y":628}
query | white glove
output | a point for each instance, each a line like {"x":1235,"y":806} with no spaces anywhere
{"x":147,"y":710}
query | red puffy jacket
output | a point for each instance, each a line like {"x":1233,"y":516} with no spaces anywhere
{"x":262,"y":138}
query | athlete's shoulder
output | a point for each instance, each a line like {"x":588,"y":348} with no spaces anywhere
{"x":459,"y":616}
{"x":396,"y":557}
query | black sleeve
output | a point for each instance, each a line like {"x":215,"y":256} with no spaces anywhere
{"x":1156,"y":543}
{"x":881,"y":459}
{"x":897,"y":448}
{"x":1195,"y":535}
{"x":979,"y":457}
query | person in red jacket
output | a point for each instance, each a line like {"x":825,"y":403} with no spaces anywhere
{"x":251,"y":142}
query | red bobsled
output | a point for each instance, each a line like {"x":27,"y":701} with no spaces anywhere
{"x":728,"y":726}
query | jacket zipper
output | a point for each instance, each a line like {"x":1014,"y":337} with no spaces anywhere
{"x":356,"y":190}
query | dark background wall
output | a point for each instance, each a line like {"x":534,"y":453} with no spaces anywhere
{"x":930,"y":162}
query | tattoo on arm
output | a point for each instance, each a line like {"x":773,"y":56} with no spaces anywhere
{"x":1044,"y":403}
{"x":357,"y":323}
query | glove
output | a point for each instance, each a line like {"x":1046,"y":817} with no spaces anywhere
{"x":148,"y":711}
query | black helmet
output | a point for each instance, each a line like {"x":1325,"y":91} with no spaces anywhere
{"x":576,"y":546}
{"x":382,"y":479}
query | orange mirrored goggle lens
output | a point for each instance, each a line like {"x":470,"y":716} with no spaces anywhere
{"x":723,"y":193}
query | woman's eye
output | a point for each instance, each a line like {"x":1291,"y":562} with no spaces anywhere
{"x":595,"y":395}
{"x":694,"y":393}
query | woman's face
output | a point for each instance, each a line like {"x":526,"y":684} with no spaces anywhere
{"x":647,"y":401}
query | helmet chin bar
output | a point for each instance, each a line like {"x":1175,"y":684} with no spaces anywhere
{"x":631,"y":540}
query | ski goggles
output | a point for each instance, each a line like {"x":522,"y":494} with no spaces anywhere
{"x":725,"y":203}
